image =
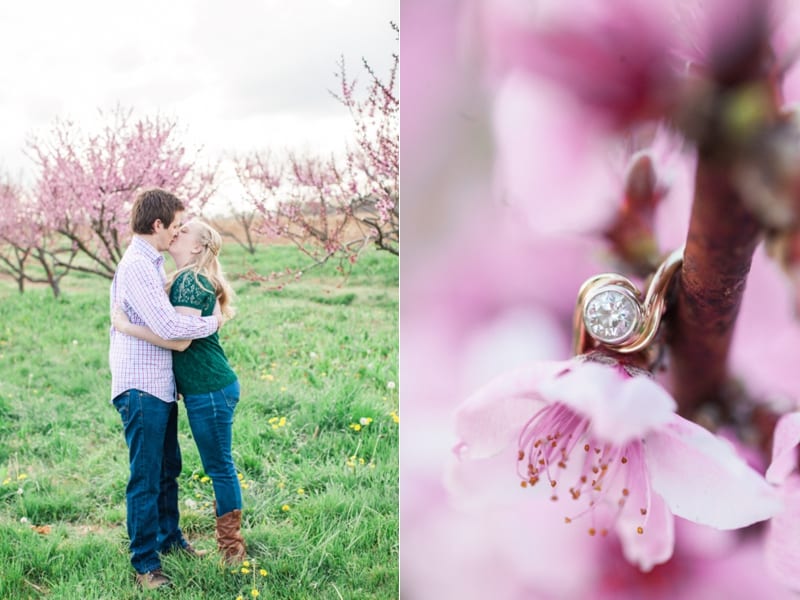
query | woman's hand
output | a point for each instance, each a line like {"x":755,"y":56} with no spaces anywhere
{"x":120,"y":320}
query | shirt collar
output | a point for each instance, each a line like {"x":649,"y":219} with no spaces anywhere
{"x":148,"y":250}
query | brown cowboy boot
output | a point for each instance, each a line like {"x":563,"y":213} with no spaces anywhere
{"x":229,"y":538}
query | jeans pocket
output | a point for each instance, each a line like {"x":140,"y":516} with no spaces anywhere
{"x":231,"y":394}
{"x":122,"y":404}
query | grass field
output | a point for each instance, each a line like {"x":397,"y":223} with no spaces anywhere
{"x":315,"y":441}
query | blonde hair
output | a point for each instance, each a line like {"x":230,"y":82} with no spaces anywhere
{"x":207,"y":264}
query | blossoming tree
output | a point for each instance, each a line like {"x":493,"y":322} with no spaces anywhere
{"x":88,"y":180}
{"x":605,"y":323}
{"x":335,"y":206}
{"x":29,"y":250}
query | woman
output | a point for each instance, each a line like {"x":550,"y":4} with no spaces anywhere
{"x":209,"y":386}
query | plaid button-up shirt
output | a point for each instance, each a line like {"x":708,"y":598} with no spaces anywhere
{"x":138,"y":288}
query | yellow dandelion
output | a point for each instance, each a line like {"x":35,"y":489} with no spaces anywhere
{"x":283,"y":388}
{"x":255,"y":593}
{"x":355,"y":426}
{"x":272,"y":420}
{"x":263,"y":572}
{"x":361,"y":461}
{"x":300,"y":491}
{"x":6,"y":480}
{"x":281,"y":485}
{"x":269,"y":377}
{"x":244,"y":570}
{"x":246,"y":563}
{"x":21,"y":476}
{"x":205,"y":479}
{"x":285,"y":508}
{"x":245,"y":486}
{"x":195,"y":476}
{"x":240,"y":476}
{"x":282,"y":422}
{"x":239,"y":597}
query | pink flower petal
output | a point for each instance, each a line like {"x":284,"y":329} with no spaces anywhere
{"x":656,"y":543}
{"x":620,"y":407}
{"x":782,"y":546}
{"x":702,"y":479}
{"x":490,"y":420}
{"x":784,"y":448}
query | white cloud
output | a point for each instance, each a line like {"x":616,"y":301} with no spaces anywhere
{"x":238,"y":75}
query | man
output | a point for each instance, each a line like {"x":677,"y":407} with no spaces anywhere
{"x":143,"y":386}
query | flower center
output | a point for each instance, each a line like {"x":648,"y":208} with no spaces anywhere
{"x":602,"y":478}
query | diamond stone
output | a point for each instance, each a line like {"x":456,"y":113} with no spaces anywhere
{"x":611,"y":315}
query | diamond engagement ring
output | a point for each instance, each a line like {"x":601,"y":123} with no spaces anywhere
{"x":610,"y":309}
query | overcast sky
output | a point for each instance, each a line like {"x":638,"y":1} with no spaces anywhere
{"x":238,"y":75}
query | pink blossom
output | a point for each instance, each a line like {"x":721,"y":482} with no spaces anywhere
{"x":783,"y":538}
{"x":767,"y":335}
{"x":616,"y":60}
{"x":610,"y":446}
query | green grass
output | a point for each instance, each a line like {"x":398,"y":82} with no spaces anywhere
{"x":320,"y":494}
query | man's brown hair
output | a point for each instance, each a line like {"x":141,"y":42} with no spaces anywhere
{"x":152,"y":205}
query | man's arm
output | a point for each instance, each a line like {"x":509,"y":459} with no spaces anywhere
{"x":149,"y":303}
{"x":122,"y":324}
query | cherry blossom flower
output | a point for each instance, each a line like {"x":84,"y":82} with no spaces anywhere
{"x":607,"y":442}
{"x":783,"y":539}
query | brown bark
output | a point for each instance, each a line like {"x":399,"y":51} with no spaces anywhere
{"x":721,"y":240}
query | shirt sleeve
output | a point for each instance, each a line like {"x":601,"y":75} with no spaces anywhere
{"x":147,"y":304}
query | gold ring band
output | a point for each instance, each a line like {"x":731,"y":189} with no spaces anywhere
{"x":617,"y":316}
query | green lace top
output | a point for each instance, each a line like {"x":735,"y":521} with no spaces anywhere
{"x":203,"y":366}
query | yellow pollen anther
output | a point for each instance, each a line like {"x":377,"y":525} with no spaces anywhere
{"x":553,"y":483}
{"x":592,"y":531}
{"x":567,"y":520}
{"x":624,"y":460}
{"x":625,"y":491}
{"x":523,"y":484}
{"x":533,"y":480}
{"x":586,"y":447}
{"x":541,"y":461}
{"x":639,"y":530}
{"x":604,"y":532}
{"x":583,"y":478}
{"x":562,"y":464}
{"x":595,"y":470}
{"x":521,"y":455}
{"x":554,"y":498}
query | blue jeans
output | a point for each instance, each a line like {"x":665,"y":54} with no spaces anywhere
{"x":151,"y":432}
{"x":211,"y":420}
